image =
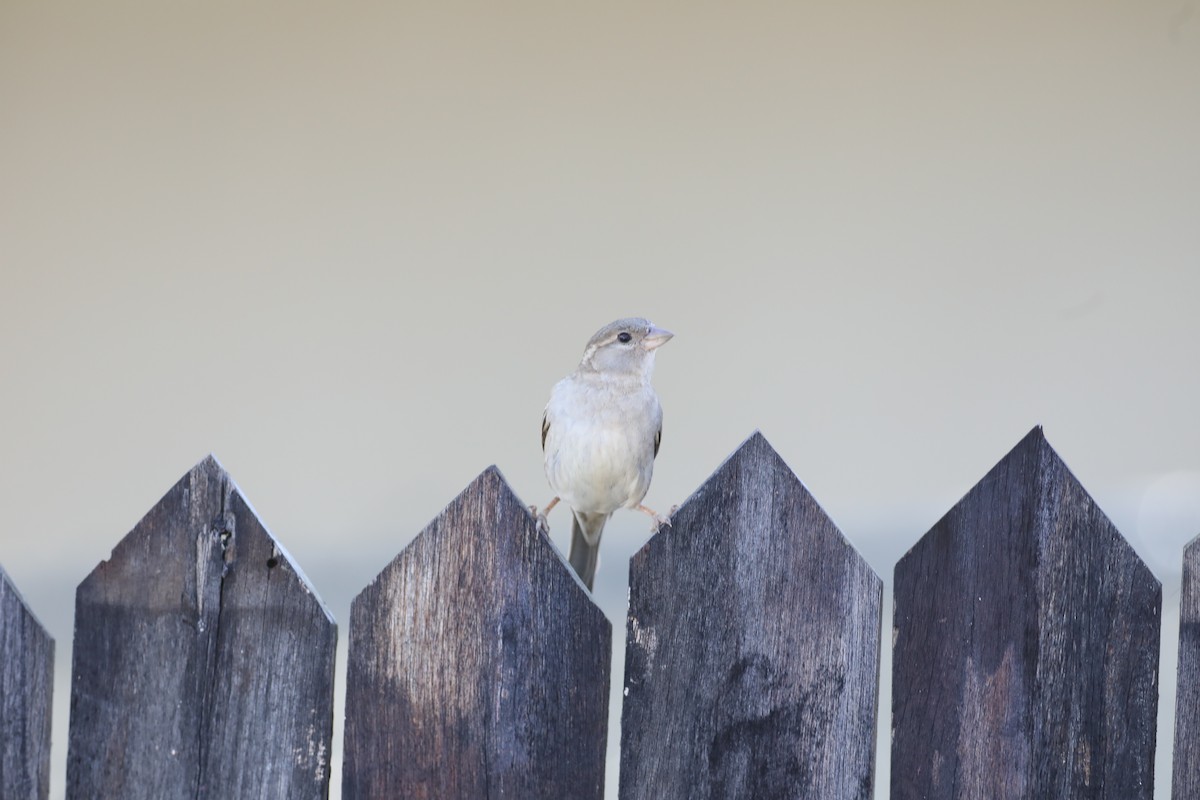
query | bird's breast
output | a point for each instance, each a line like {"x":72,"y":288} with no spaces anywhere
{"x":600,"y":446}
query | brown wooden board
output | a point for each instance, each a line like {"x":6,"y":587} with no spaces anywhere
{"x":26,"y":684}
{"x":1025,"y":646}
{"x":752,"y":647}
{"x":479,"y":666}
{"x":203,"y":659}
{"x":1186,"y":766}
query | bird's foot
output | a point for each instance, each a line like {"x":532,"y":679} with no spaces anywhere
{"x":659,"y":519}
{"x":540,"y":520}
{"x":539,"y":517}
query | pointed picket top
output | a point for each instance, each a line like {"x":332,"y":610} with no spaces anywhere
{"x":26,"y":683}
{"x":478,"y":666}
{"x":1025,"y":644}
{"x":1186,"y":766}
{"x":203,"y":659}
{"x":752,"y":650}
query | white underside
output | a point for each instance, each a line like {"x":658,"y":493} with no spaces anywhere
{"x":600,"y":456}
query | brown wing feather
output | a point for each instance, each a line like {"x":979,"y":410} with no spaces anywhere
{"x":657,"y":441}
{"x":546,"y":429}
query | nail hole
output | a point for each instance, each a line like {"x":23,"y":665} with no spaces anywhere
{"x":272,"y":563}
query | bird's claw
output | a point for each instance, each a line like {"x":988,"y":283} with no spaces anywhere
{"x":540,"y":520}
{"x":660,"y":520}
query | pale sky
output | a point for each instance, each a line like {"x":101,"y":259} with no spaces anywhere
{"x":348,"y":248}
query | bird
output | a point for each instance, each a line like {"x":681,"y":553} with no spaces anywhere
{"x":601,"y":431}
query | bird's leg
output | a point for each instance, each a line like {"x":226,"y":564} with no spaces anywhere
{"x":539,"y":517}
{"x":659,"y":520}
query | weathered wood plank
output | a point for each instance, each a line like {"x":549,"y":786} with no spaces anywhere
{"x":1025,"y":646}
{"x":752,"y":655}
{"x":479,"y":666}
{"x":26,"y":684}
{"x":203,"y":659}
{"x":1185,"y":783}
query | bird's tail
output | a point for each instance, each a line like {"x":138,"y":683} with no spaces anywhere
{"x":585,"y":544}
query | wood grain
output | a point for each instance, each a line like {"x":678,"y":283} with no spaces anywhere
{"x":1186,"y":768}
{"x":479,"y":666}
{"x":203,"y":659}
{"x":752,"y":647}
{"x":1025,"y":646}
{"x":26,"y":683}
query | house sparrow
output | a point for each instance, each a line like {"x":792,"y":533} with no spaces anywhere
{"x":600,"y":434}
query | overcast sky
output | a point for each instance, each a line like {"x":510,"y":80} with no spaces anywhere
{"x":349,"y":247}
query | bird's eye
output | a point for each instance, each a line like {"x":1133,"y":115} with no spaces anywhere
{"x":623,"y":337}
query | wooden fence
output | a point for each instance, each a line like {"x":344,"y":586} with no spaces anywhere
{"x":1025,"y":642}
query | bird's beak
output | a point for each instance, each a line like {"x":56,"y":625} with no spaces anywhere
{"x":656,"y":338}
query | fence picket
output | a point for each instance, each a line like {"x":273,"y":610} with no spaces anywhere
{"x":26,"y":682}
{"x":479,"y":666}
{"x":1026,"y":646}
{"x":752,"y":655}
{"x":203,"y":660}
{"x":1185,"y":783}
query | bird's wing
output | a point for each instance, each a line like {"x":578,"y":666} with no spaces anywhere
{"x":657,"y":439}
{"x":546,"y":430}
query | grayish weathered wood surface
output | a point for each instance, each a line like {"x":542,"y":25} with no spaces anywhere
{"x":752,"y":654}
{"x":479,"y":666}
{"x":203,"y":660}
{"x":1026,"y":646}
{"x":1186,"y":767}
{"x":26,"y":681}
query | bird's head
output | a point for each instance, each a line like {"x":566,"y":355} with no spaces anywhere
{"x":624,"y":347}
